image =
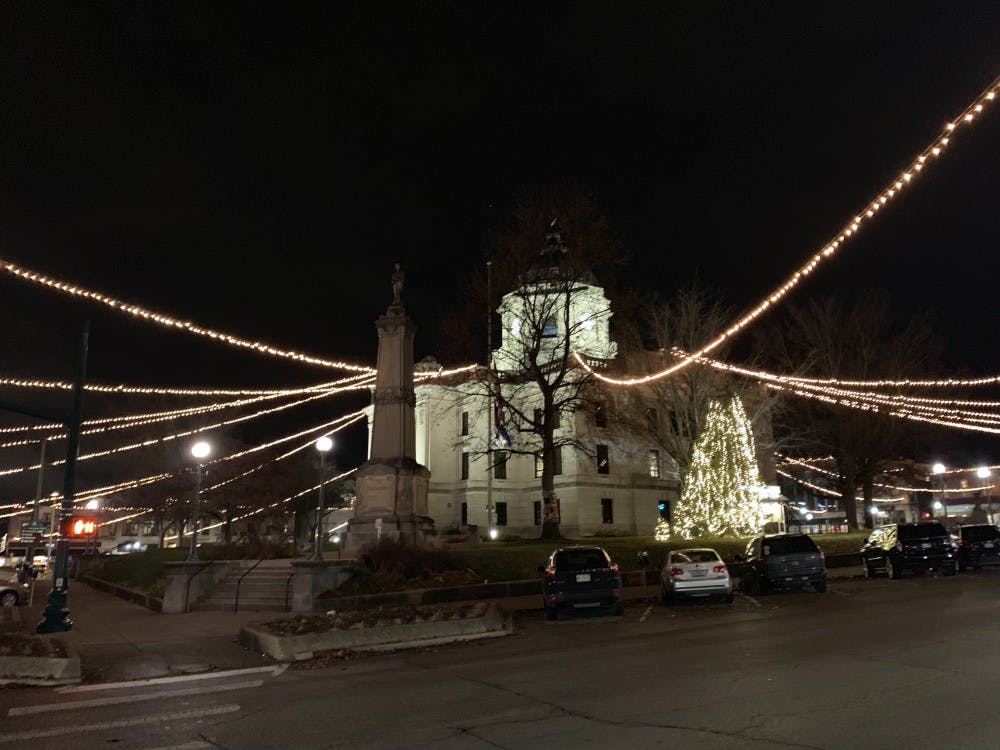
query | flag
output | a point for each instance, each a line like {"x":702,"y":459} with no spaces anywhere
{"x":501,"y":437}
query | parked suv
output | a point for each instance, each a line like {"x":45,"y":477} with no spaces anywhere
{"x":896,"y":547}
{"x":782,"y":561}
{"x":978,"y":545}
{"x":579,"y":578}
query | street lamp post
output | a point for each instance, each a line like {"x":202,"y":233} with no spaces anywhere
{"x":984,"y":473}
{"x":323,"y":445}
{"x":199,"y":450}
{"x":938,"y":469}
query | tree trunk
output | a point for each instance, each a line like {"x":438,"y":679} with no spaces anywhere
{"x":868,"y":492}
{"x":849,"y":496}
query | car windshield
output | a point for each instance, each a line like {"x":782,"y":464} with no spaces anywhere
{"x":980,"y":533}
{"x":921,"y":530}
{"x":581,"y":559}
{"x":695,"y":556}
{"x":789,"y":545}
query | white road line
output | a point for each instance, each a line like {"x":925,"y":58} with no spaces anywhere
{"x":119,"y":699}
{"x":841,"y":593}
{"x":275,"y":671}
{"x":196,"y":745}
{"x":137,"y":721}
{"x":751,"y":599}
{"x":646,"y":613}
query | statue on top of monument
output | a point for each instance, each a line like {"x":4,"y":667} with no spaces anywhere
{"x":397,"y":287}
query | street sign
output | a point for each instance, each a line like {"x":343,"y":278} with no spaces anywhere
{"x":33,"y":527}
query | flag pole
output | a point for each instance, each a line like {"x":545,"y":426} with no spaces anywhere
{"x":489,"y":400}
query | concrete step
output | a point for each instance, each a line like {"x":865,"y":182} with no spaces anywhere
{"x":244,"y":607}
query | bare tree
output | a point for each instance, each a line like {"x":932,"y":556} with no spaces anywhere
{"x":533,"y":378}
{"x":829,"y":337}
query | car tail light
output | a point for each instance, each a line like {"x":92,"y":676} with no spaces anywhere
{"x":550,"y":572}
{"x":677,"y":571}
{"x":614,"y":567}
{"x":719,"y":569}
{"x":552,"y":597}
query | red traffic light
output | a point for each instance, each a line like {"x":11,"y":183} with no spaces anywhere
{"x":82,"y":527}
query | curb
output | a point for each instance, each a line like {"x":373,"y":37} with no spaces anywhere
{"x":493,"y":624}
{"x":129,"y":595}
{"x":41,"y":670}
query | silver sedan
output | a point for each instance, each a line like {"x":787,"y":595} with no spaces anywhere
{"x":695,"y":572}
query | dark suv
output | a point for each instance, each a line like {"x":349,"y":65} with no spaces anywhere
{"x":978,"y":545}
{"x":580,"y":578}
{"x":896,"y":547}
{"x":782,"y":561}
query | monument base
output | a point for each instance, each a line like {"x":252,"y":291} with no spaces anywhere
{"x":367,"y":531}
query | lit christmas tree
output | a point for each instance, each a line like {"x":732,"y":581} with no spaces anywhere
{"x":721,"y":493}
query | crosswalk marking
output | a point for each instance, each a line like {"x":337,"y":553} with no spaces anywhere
{"x":275,"y":671}
{"x":32,"y":734}
{"x":119,"y":699}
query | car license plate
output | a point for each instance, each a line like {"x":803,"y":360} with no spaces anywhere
{"x":926,"y":545}
{"x":795,"y":563}
{"x":988,"y":545}
{"x":582,"y":577}
{"x":699,"y":573}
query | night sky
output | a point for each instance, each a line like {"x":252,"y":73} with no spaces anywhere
{"x":260,"y":170}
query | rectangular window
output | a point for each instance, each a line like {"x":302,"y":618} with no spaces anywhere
{"x":465,"y":514}
{"x":603,"y":463}
{"x":465,"y":423}
{"x":551,"y":329}
{"x":654,"y":464}
{"x":538,"y":512}
{"x":500,"y":464}
{"x":148,"y":528}
{"x":600,"y":415}
{"x":501,"y":513}
{"x":465,"y":465}
{"x":607,"y":510}
{"x":130,"y":529}
{"x":539,"y":414}
{"x":539,"y":466}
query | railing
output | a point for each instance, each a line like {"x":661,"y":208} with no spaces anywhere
{"x":187,"y":586}
{"x":236,"y":604}
{"x":288,"y":583}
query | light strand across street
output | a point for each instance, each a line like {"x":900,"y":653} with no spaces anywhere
{"x":849,"y":230}
{"x":827,"y":472}
{"x":137,"y":311}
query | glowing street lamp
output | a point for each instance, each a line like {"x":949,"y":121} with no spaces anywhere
{"x":199,"y":450}
{"x":938,"y":470}
{"x":323,"y":446}
{"x":984,"y":473}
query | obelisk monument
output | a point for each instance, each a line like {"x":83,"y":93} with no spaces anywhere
{"x":391,"y":487}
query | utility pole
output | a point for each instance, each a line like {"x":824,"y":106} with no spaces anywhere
{"x":55,"y":618}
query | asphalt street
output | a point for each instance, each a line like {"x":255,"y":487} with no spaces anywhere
{"x":912,"y":663}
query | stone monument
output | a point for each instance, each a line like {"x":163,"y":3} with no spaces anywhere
{"x":391,"y":487}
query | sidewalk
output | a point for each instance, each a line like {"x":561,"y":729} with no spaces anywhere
{"x":118,"y":640}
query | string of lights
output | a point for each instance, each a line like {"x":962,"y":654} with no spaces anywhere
{"x":138,"y":420}
{"x":63,"y":385}
{"x":843,"y":235}
{"x":174,"y":436}
{"x":169,"y":322}
{"x":827,"y":472}
{"x":833,"y":493}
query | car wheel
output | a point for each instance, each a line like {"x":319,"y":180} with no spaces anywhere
{"x":8,"y":599}
{"x":757,"y":586}
{"x":619,"y":610}
{"x":949,"y":569}
{"x":820,"y":588}
{"x":551,"y":613}
{"x":666,"y":596}
{"x":729,"y":598}
{"x":891,"y":570}
{"x":962,"y":567}
{"x":869,"y":570}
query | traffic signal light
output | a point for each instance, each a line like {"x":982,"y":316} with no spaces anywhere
{"x":81,"y":527}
